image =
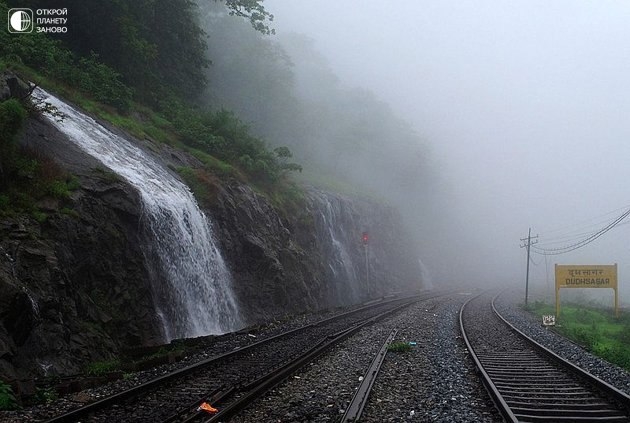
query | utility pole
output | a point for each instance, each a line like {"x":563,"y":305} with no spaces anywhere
{"x":528,"y":242}
{"x":365,"y":238}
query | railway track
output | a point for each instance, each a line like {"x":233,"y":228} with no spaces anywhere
{"x":361,"y":396}
{"x":231,"y":381}
{"x":529,"y":383}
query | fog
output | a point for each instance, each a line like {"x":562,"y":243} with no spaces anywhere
{"x":520,"y":107}
{"x":524,"y":105}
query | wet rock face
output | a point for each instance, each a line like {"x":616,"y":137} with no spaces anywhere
{"x":311,"y":258}
{"x":355,"y":271}
{"x":273,"y":274}
{"x":74,"y":289}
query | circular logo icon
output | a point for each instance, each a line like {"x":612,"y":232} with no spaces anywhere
{"x":20,"y":20}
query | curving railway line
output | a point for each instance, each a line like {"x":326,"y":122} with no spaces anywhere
{"x":529,"y":383}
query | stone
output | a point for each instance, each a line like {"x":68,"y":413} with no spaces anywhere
{"x":11,"y":86}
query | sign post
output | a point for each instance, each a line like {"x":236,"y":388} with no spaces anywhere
{"x":586,"y":276}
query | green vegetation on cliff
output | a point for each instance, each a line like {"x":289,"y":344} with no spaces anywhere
{"x":25,"y":178}
{"x":156,"y":46}
{"x":145,"y":75}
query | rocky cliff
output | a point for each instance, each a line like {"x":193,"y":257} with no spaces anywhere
{"x":313,"y":258}
{"x":71,"y":286}
{"x":75,"y":287}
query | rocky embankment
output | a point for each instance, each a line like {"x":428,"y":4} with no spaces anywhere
{"x":75,"y":285}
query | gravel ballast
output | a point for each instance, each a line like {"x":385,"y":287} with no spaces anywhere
{"x":433,"y":382}
{"x":508,"y":304}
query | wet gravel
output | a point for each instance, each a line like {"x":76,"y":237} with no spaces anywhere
{"x":205,"y":348}
{"x":433,"y":382}
{"x":509,"y":305}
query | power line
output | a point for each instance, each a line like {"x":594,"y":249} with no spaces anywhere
{"x":584,"y":225}
{"x":584,"y":241}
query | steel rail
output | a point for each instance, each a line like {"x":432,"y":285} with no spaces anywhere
{"x":269,"y":381}
{"x":137,"y":391}
{"x":620,"y":396}
{"x":541,"y":386}
{"x":497,"y":398}
{"x":360,"y":398}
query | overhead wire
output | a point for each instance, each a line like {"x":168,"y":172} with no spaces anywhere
{"x":580,"y":229}
{"x":595,"y":221}
{"x":592,"y":236}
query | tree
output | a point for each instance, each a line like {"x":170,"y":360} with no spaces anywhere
{"x":157,"y":46}
{"x":254,"y":11}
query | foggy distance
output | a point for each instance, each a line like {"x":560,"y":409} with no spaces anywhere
{"x":280,"y":210}
{"x":522,"y":106}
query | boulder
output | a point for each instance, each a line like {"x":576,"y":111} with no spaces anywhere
{"x":11,"y":86}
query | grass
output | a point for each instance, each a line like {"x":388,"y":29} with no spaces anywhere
{"x":201,"y":183}
{"x":100,"y":368}
{"x":596,"y":329}
{"x":399,"y":347}
{"x":213,"y":164}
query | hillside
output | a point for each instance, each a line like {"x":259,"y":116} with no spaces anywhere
{"x":103,"y":247}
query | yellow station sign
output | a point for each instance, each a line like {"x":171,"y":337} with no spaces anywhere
{"x":586,"y":276}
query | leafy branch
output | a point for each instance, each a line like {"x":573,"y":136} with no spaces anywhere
{"x":254,"y":11}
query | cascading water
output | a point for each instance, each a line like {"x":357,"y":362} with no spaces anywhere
{"x":345,"y":278}
{"x":31,"y":299}
{"x":425,"y":276}
{"x":192,"y":285}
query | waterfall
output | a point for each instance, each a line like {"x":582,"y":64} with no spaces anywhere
{"x":192,"y":286}
{"x":425,"y":276}
{"x":345,"y":279}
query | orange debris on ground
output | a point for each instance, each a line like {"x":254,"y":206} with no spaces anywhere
{"x":207,"y":407}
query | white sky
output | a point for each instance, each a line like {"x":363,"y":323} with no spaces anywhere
{"x":525,"y":103}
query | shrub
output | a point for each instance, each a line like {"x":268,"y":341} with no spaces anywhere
{"x":103,"y":83}
{"x":46,"y":395}
{"x":12,"y":114}
{"x":39,"y":216}
{"x":58,"y":189}
{"x":399,"y":347}
{"x":7,"y":398}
